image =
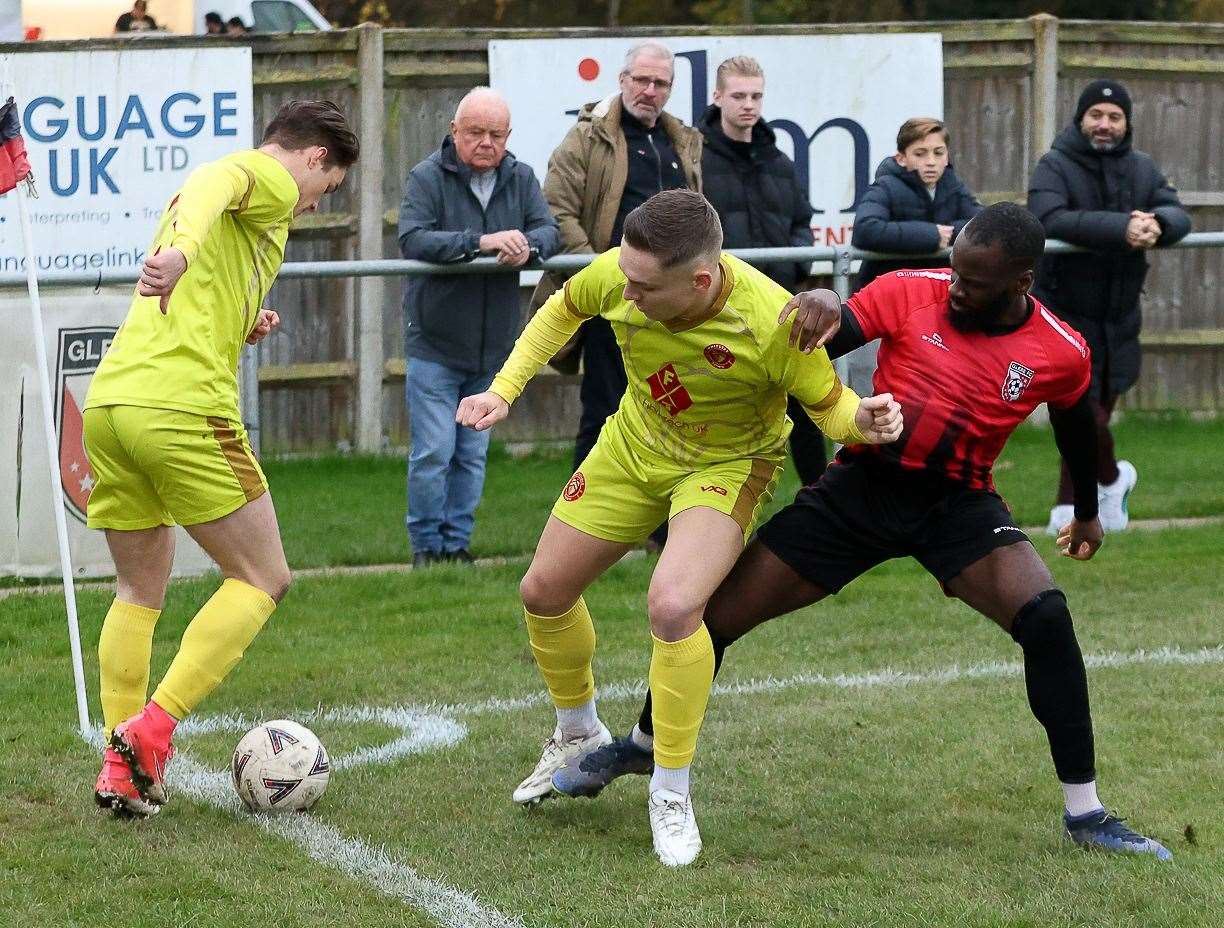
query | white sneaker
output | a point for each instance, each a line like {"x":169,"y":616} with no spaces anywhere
{"x":1112,"y":498}
{"x":557,"y":751}
{"x":1060,"y":515}
{"x":674,"y":828}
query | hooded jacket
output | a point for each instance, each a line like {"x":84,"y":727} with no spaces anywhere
{"x":753,"y":187}
{"x":1085,"y":197}
{"x":470,"y":321}
{"x":898,"y":214}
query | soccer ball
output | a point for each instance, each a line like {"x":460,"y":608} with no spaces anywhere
{"x":280,"y":766}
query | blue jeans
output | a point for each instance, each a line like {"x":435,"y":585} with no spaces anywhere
{"x":446,"y":462}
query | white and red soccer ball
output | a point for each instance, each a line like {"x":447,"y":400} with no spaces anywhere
{"x":280,"y":766}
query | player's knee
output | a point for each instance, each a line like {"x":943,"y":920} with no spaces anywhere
{"x":1044,"y":623}
{"x":542,"y":597}
{"x":671,"y":613}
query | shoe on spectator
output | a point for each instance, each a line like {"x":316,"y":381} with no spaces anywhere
{"x":460,"y":556}
{"x":1060,"y":515}
{"x":426,"y":559}
{"x":1112,"y":498}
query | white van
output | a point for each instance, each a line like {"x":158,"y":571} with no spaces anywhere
{"x":88,"y":19}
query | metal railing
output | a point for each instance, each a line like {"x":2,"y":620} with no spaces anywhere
{"x":842,"y":258}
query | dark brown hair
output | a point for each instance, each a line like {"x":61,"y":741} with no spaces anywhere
{"x":917,"y":129}
{"x":676,"y":226}
{"x":304,"y":123}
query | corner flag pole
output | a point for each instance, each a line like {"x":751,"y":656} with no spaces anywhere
{"x":57,"y":488}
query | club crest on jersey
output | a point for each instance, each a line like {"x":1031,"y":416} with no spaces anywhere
{"x":667,"y":390}
{"x":1017,"y":380}
{"x":80,"y":350}
{"x":719,"y":356}
{"x":575,"y":488}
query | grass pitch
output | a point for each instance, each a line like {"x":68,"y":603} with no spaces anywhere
{"x":836,"y":794}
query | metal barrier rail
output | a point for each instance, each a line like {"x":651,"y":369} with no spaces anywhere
{"x":841,"y":256}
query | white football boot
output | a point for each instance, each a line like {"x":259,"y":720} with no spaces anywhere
{"x":1112,"y":498}
{"x":558,"y":750}
{"x":673,"y":827}
{"x":1060,"y":515}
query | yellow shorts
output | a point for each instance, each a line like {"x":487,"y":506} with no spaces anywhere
{"x":620,"y":494}
{"x":164,"y":467}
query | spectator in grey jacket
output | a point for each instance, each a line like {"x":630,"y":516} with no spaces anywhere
{"x":469,"y":198}
{"x":917,"y":204}
{"x":1093,"y":189}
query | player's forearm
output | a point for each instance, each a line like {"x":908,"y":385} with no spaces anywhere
{"x":546,"y":334}
{"x":834,"y":415}
{"x":1075,"y":433}
{"x":208,"y":192}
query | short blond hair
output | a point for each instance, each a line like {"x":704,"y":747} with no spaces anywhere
{"x":917,"y":129}
{"x":740,"y":65}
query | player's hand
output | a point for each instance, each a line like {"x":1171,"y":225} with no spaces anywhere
{"x":817,"y":318}
{"x":879,"y":419}
{"x":160,"y":273}
{"x":945,"y":235}
{"x":1080,"y":540}
{"x":482,"y":411}
{"x":267,"y":321}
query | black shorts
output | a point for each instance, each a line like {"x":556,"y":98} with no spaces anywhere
{"x":863,"y":512}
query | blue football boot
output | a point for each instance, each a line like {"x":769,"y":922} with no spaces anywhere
{"x":587,"y":774}
{"x":1106,"y":832}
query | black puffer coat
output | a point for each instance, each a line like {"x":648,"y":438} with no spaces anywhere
{"x":898,"y":214}
{"x":1085,"y":197}
{"x":753,"y":187}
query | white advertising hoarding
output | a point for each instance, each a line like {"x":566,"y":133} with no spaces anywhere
{"x":835,"y":102}
{"x":111,"y":136}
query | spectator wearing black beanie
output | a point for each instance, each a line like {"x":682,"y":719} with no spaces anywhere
{"x":1095,"y":190}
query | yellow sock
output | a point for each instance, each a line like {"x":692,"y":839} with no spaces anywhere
{"x":124,"y":648}
{"x":563,"y":646}
{"x":681,"y":673}
{"x":212,"y":644}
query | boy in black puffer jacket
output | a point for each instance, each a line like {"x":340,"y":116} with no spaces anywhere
{"x":917,"y":204}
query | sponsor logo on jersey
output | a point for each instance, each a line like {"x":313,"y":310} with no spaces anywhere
{"x":719,"y":356}
{"x":1017,"y":380}
{"x":937,"y":340}
{"x":575,"y":488}
{"x":80,"y":350}
{"x":711,"y":488}
{"x":667,"y":390}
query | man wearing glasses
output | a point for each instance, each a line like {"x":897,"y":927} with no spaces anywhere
{"x":471,"y":197}
{"x":623,"y":150}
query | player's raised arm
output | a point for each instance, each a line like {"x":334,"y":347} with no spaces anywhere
{"x":549,"y":329}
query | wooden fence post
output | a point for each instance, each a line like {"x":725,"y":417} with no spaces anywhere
{"x":1043,"y":124}
{"x":368,"y":318}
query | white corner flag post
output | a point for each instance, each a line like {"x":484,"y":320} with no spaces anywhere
{"x":57,"y":488}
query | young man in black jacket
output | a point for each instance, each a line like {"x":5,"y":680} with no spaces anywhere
{"x":753,"y":187}
{"x":1093,"y":189}
{"x":917,"y":204}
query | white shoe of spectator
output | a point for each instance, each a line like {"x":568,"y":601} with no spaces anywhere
{"x":1060,"y":515}
{"x":1112,"y":498}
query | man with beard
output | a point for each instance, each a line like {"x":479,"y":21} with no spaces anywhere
{"x":1093,"y":189}
{"x":968,"y":354}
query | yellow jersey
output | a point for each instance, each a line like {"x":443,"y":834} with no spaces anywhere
{"x":230,"y":220}
{"x":700,"y":394}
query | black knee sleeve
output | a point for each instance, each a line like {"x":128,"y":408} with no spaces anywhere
{"x":645,"y":721}
{"x":1057,"y":683}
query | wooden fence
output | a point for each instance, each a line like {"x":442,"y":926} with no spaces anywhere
{"x":335,"y":375}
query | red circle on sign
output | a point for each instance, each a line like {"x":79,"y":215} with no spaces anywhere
{"x":575,"y":488}
{"x":588,"y":69}
{"x":719,"y":356}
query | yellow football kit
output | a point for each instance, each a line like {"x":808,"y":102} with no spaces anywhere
{"x":162,"y":426}
{"x":703,"y":421}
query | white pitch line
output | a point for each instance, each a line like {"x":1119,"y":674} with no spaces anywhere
{"x":325,"y":844}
